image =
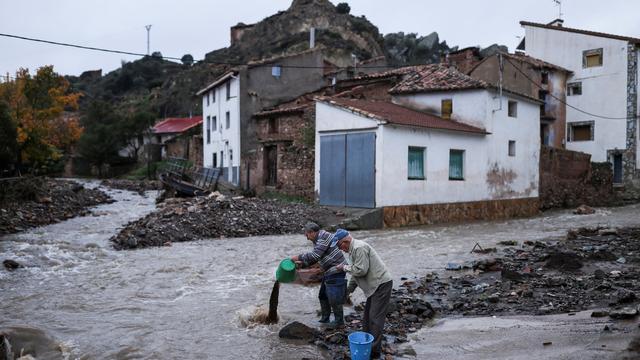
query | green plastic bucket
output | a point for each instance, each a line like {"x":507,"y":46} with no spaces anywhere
{"x":286,"y":271}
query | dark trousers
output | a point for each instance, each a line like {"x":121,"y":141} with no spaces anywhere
{"x":375,"y":313}
{"x":322,"y":295}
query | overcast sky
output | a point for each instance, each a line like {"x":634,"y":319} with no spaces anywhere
{"x":198,"y":26}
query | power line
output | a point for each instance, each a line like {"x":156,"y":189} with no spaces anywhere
{"x":178,"y":59}
{"x":560,"y":100}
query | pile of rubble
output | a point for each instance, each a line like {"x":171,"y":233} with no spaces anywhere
{"x":215,"y":216}
{"x":30,"y":202}
{"x":139,"y":186}
{"x":593,"y":268}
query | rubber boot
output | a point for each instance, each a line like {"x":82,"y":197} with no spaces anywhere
{"x":325,"y":311}
{"x":338,"y":315}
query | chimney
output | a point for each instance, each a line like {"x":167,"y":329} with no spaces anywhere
{"x":557,"y":22}
{"x":312,"y":38}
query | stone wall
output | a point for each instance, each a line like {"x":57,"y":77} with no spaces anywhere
{"x":569,"y":179}
{"x":412,"y":215}
{"x":186,"y":147}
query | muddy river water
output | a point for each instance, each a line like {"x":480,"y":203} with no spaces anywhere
{"x":191,"y":300}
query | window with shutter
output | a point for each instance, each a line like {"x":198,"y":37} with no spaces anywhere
{"x":416,"y":163}
{"x":456,"y":165}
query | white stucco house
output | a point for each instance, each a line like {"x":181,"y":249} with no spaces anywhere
{"x":445,"y":140}
{"x":221,"y":126}
{"x":602,"y":91}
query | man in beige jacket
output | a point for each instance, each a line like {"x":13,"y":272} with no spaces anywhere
{"x":370,"y":274}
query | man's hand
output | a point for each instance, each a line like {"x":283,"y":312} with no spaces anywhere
{"x":298,"y":264}
{"x":340,"y":267}
{"x":295,"y":258}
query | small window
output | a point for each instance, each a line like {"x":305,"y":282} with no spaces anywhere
{"x":416,"y":163}
{"x":276,"y":71}
{"x":544,"y":78}
{"x":456,"y":165}
{"x":273,"y":126}
{"x":592,"y":58}
{"x":221,"y":158}
{"x":215,"y":160}
{"x":513,"y":108}
{"x":228,"y":90}
{"x":214,"y":123}
{"x":230,"y":156}
{"x":228,"y":119}
{"x":512,"y":148}
{"x":574,"y":88}
{"x":581,"y":131}
{"x":208,"y":129}
{"x":446,"y":108}
{"x":213,"y":96}
{"x":207,"y":99}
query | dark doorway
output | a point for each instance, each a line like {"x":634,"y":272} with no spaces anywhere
{"x":617,"y":168}
{"x":271,"y":165}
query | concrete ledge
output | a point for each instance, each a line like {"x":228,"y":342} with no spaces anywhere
{"x":410,"y":215}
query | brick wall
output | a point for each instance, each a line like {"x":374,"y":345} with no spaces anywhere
{"x":569,"y":179}
{"x":397,"y":216}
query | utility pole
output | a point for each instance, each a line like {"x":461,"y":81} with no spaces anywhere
{"x":559,"y":4}
{"x":148,"y":27}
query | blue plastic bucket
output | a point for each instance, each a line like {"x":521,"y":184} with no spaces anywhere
{"x":360,"y":345}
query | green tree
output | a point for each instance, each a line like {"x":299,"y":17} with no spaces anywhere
{"x":8,"y":139}
{"x":187,"y":59}
{"x":134,"y":127}
{"x":101,"y":140}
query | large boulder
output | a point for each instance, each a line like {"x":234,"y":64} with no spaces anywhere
{"x":297,"y":331}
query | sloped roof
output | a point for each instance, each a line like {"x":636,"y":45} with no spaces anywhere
{"x":400,"y":115}
{"x":535,"y":62}
{"x":219,"y":80}
{"x":282,"y":110}
{"x":437,"y":77}
{"x":583,"y":32}
{"x":176,"y":125}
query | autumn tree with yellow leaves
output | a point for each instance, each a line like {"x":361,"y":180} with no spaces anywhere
{"x":37,"y":106}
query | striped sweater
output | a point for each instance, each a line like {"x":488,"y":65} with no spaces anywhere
{"x":328,"y":257}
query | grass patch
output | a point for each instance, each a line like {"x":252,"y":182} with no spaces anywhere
{"x":141,"y":172}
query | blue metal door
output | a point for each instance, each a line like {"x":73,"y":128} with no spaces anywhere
{"x":347,"y":170}
{"x":332,"y":170}
{"x":361,"y":156}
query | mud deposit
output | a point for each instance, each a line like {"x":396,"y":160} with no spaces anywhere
{"x":30,"y":202}
{"x":215,"y":216}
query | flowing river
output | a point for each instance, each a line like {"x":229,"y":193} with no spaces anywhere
{"x":191,"y":300}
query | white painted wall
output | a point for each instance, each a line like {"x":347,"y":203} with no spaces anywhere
{"x":604,"y":88}
{"x":468,"y":106}
{"x":222,"y":139}
{"x":483,"y":153}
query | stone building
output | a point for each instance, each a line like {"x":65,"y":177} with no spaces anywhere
{"x":283,"y":160}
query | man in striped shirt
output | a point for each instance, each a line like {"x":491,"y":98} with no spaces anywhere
{"x":333,"y":287}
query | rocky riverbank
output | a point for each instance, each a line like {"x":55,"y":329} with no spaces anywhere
{"x":30,"y":202}
{"x":594,"y":269}
{"x":215,"y":216}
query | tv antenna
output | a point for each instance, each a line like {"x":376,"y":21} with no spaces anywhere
{"x":148,"y":27}
{"x":559,"y":4}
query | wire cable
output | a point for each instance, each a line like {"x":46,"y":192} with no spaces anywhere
{"x":560,"y":100}
{"x":179,"y":59}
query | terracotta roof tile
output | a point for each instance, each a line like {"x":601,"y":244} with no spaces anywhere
{"x":437,"y":77}
{"x":584,"y":32}
{"x":399,"y":115}
{"x":176,"y":125}
{"x":282,"y":110}
{"x":535,"y":61}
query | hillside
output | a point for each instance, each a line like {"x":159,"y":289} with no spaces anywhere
{"x":168,"y":88}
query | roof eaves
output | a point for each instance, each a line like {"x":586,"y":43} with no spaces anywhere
{"x":218,"y":81}
{"x":580,"y":31}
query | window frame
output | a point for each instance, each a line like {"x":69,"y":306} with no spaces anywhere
{"x":572,"y":86}
{"x":592,"y":52}
{"x":228,"y":85}
{"x":512,"y":109}
{"x":572,"y":125}
{"x":227,"y":119}
{"x":213,"y":96}
{"x":512,"y":148}
{"x":208,"y":129}
{"x":446,"y":116}
{"x":423,"y":152}
{"x":214,"y":122}
{"x":462,"y":163}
